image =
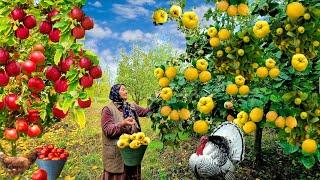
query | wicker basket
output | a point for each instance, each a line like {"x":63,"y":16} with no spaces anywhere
{"x":133,"y":157}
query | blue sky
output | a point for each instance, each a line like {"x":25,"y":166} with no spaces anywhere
{"x":119,"y":23}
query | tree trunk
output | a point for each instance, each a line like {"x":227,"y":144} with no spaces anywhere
{"x":257,"y":147}
{"x":258,"y":140}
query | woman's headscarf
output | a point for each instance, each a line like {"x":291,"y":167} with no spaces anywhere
{"x":121,"y":104}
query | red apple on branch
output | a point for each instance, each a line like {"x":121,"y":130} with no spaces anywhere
{"x":11,"y":134}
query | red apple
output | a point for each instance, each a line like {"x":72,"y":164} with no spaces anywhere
{"x":84,"y":103}
{"x":87,"y":23}
{"x":76,"y":13}
{"x":78,"y":32}
{"x":52,"y":13}
{"x":4,"y":78}
{"x":86,"y":81}
{"x":38,"y":47}
{"x":53,"y":73}
{"x":45,"y":27}
{"x":11,"y":101}
{"x":33,"y":115}
{"x":36,"y":84}
{"x":10,"y":134}
{"x":34,"y":131}
{"x":37,"y":57}
{"x":4,"y":56}
{"x":61,"y":85}
{"x":18,"y":14}
{"x":66,"y":64}
{"x":22,"y":32}
{"x":22,"y":125}
{"x":30,"y":21}
{"x":96,"y":72}
{"x":40,"y":174}
{"x":58,"y":113}
{"x":13,"y":68}
{"x":85,"y":63}
{"x":63,"y":156}
{"x":54,"y":35}
{"x":28,"y":67}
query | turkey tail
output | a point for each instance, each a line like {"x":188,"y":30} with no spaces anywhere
{"x":234,"y":137}
{"x":229,"y":176}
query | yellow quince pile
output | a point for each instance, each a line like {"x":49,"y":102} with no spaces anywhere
{"x":133,"y":141}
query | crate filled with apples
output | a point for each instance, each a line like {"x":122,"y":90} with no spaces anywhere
{"x":51,"y":159}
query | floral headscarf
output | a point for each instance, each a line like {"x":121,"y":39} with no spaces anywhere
{"x":121,"y":104}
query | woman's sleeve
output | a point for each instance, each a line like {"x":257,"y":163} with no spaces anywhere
{"x":141,"y":111}
{"x":110,"y":127}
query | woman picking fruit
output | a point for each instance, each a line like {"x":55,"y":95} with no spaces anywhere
{"x":119,"y":117}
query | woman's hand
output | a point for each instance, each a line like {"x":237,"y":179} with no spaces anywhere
{"x":15,"y":165}
{"x":129,"y":121}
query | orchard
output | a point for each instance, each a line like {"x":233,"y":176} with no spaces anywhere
{"x":254,"y":64}
{"x":45,"y":70}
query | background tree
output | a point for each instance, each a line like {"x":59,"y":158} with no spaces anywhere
{"x":100,"y":89}
{"x":135,"y":70}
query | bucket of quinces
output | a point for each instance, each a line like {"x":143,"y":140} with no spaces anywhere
{"x":52,"y":160}
{"x":132,"y":148}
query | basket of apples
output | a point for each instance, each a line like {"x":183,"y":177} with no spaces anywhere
{"x":52,"y":160}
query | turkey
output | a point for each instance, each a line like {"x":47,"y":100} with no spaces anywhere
{"x":217,"y":153}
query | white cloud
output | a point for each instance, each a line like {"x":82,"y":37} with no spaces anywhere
{"x":92,"y":45}
{"x":99,"y":32}
{"x":129,"y":11}
{"x":201,"y":10}
{"x":141,"y":2}
{"x":107,"y":55}
{"x":96,"y":4}
{"x":107,"y":58}
{"x":135,"y":35}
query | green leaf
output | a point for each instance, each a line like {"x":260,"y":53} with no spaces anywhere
{"x":181,"y":81}
{"x":57,"y":56}
{"x":291,"y":34}
{"x":170,"y":136}
{"x":73,"y":86}
{"x":83,"y":96}
{"x":314,"y":119}
{"x":308,"y":161}
{"x":230,"y":56}
{"x":288,"y":148}
{"x":278,"y":54}
{"x":72,"y":75}
{"x":92,"y":56}
{"x":60,"y":24}
{"x":49,"y":2}
{"x":67,"y":102}
{"x":254,"y":103}
{"x":318,"y":153}
{"x":275,"y":98}
{"x":80,"y":117}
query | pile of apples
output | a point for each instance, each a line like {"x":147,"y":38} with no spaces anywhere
{"x":49,"y":152}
